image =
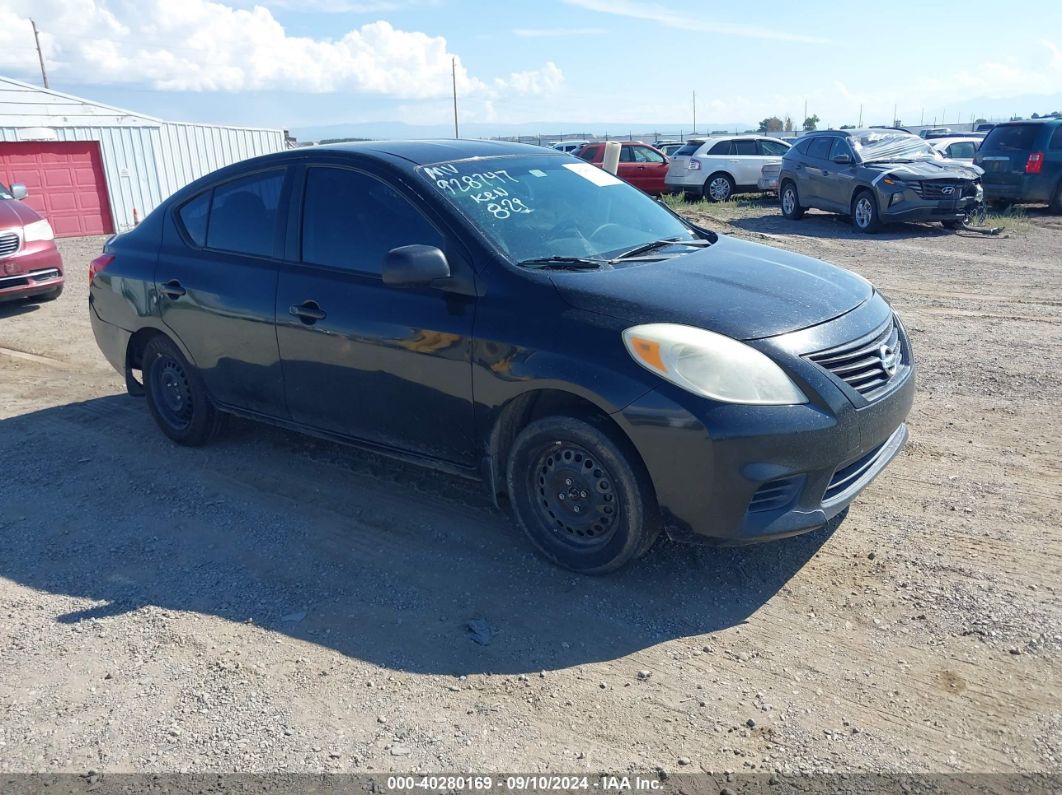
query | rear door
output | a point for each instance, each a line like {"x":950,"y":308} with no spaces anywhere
{"x":216,"y":283}
{"x":812,"y":175}
{"x":745,"y":162}
{"x":387,"y":365}
{"x":1004,"y":154}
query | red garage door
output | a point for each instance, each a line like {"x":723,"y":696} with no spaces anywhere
{"x":65,"y":184}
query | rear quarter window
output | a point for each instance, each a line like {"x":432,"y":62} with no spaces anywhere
{"x":1056,"y":139}
{"x":1011,"y":137}
{"x":193,"y":217}
{"x":722,"y":148}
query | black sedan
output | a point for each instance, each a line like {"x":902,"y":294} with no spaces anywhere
{"x":495,"y":310}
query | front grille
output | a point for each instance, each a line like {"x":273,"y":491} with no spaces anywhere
{"x":9,"y":243}
{"x":849,"y":475}
{"x":867,"y":364}
{"x":775,"y":494}
{"x":944,"y":188}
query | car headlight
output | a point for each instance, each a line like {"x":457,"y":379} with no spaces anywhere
{"x":38,"y":230}
{"x":711,"y":365}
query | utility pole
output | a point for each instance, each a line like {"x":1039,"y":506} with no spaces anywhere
{"x":805,"y":114}
{"x":453,"y":74}
{"x":860,"y":125}
{"x":694,"y":112}
{"x":40,"y":55}
{"x":894,"y":116}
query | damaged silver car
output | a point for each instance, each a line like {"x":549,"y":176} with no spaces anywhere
{"x":877,"y":177}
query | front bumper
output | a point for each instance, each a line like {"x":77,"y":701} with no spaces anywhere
{"x":914,"y":208}
{"x":769,"y":184}
{"x":739,"y":474}
{"x":35,"y":269}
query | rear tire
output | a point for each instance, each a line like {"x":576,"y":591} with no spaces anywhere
{"x":719,"y":187}
{"x":865,"y":216}
{"x":176,"y":396}
{"x":790,"y":201}
{"x":582,"y":497}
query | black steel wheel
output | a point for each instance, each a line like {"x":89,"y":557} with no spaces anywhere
{"x":176,"y":396}
{"x":581,"y":495}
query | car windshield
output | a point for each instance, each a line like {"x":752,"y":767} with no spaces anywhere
{"x":534,"y":208}
{"x":890,"y":146}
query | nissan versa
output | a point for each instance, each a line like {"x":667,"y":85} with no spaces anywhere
{"x":499,"y":310}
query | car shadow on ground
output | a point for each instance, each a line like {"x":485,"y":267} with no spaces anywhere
{"x":830,"y":225}
{"x":320,"y":542}
{"x":16,"y":308}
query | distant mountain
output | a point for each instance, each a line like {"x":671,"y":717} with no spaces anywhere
{"x":547,"y":130}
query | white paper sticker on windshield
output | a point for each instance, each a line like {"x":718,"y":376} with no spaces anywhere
{"x":594,"y":174}
{"x":536,"y":173}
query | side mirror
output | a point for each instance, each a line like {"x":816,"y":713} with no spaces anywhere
{"x":842,"y":159}
{"x":18,"y":190}
{"x":410,"y":266}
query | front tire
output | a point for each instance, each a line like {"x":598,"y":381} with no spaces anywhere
{"x":176,"y":396}
{"x":719,"y":187}
{"x":582,"y":497}
{"x":865,"y":216}
{"x":790,"y":201}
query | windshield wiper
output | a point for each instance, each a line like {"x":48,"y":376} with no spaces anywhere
{"x":563,"y":263}
{"x":655,"y":244}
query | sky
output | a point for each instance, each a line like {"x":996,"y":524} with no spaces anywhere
{"x":306,"y":63}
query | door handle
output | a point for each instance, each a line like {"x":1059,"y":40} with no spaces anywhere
{"x":309,"y":312}
{"x":173,"y":289}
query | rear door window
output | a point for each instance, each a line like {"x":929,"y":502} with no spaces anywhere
{"x":243,"y":215}
{"x":722,"y":148}
{"x":745,"y":148}
{"x":1011,"y":137}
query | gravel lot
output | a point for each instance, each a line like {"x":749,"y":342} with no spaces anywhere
{"x":278,"y":603}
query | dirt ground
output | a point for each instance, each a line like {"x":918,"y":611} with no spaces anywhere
{"x":278,"y":603}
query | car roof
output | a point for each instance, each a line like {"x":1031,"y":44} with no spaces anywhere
{"x":1029,"y":121}
{"x":434,"y":151}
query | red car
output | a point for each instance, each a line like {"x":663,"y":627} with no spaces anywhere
{"x":640,"y":164}
{"x":30,"y":265}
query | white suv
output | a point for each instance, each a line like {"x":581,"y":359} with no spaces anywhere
{"x":717,"y":168}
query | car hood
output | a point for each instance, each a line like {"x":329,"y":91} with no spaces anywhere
{"x":733,"y":287}
{"x":15,"y":215}
{"x":928,"y":169}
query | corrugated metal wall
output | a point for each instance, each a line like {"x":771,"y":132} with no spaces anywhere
{"x":145,"y":164}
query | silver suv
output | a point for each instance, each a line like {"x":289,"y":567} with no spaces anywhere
{"x":717,"y":168}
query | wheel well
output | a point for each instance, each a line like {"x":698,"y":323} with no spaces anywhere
{"x":714,"y":174}
{"x":524,"y":409}
{"x":859,"y":191}
{"x":134,"y":352}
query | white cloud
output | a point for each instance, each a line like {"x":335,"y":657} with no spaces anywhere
{"x":200,"y":45}
{"x":687,"y":20}
{"x":538,"y":33}
{"x":534,"y":81}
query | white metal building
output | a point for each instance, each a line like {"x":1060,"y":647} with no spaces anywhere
{"x":94,"y":169}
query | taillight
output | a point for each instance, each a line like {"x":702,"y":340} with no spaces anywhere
{"x":99,"y":264}
{"x":1035,"y":163}
{"x":695,"y":165}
